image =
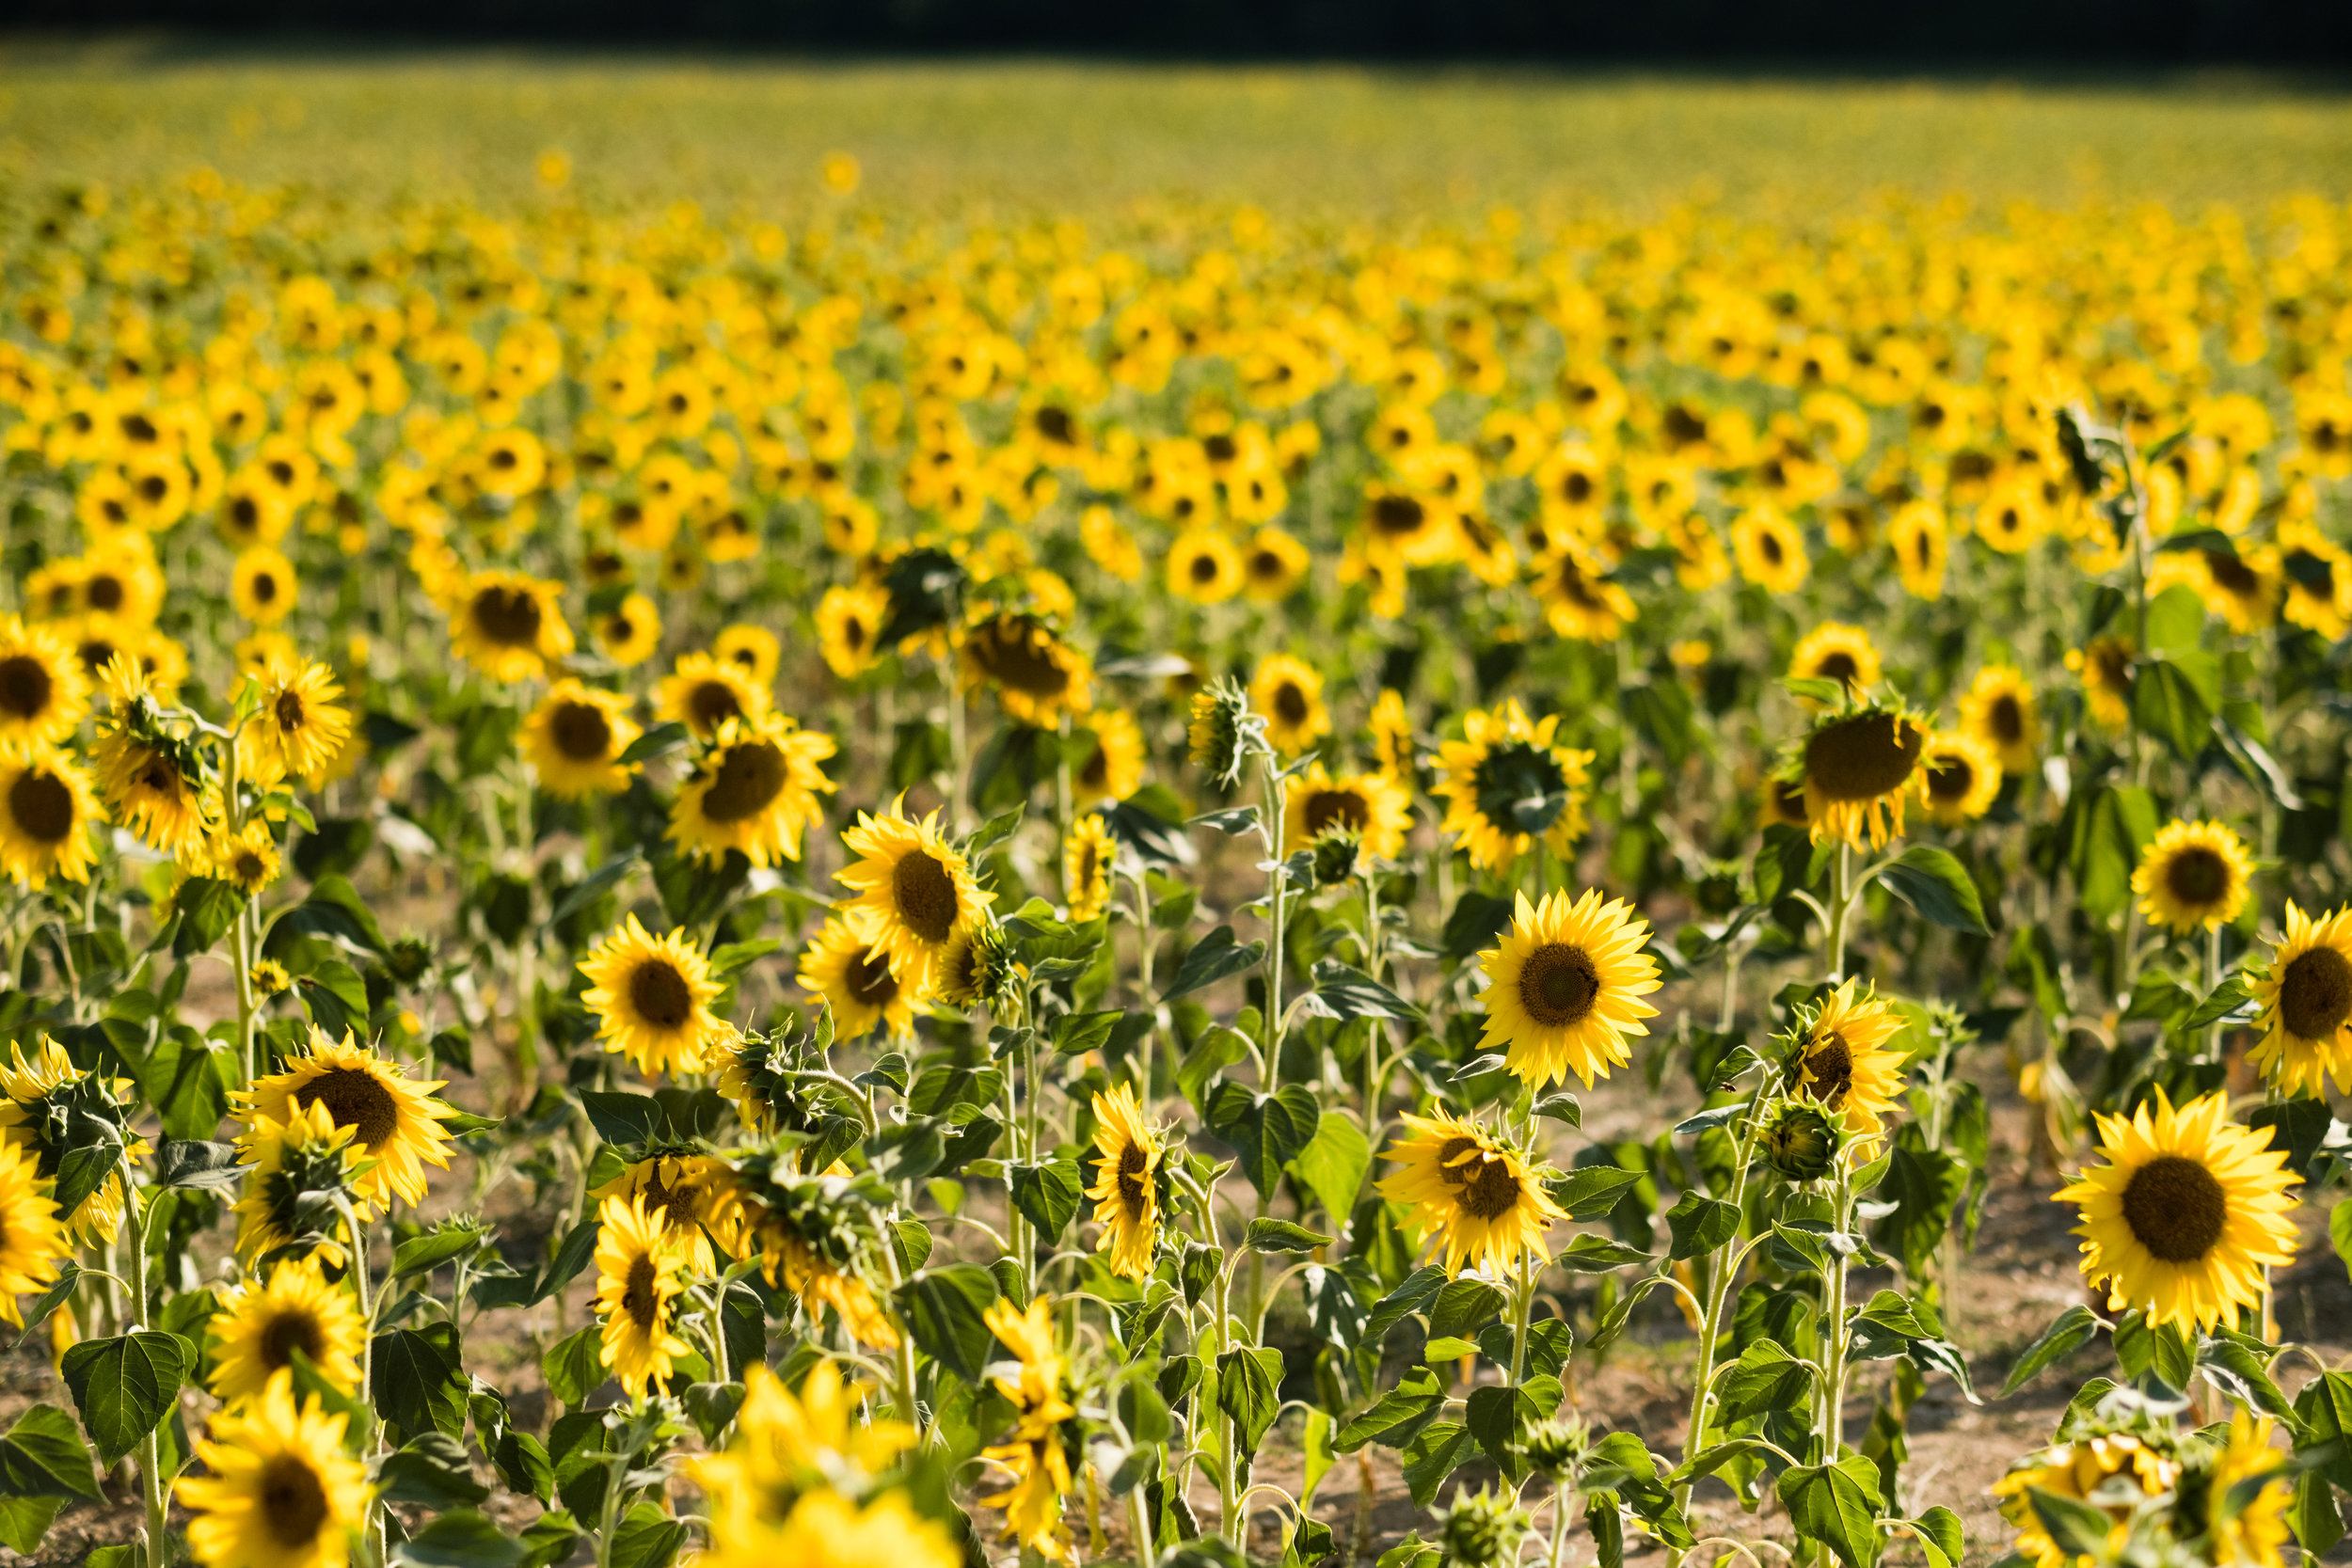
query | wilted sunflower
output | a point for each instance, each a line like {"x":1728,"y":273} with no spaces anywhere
{"x":1034,"y":1455}
{"x":1564,"y":987}
{"x":395,"y":1121}
{"x":47,"y":810}
{"x":1839,"y":1059}
{"x":43,"y":692}
{"x":2305,"y":995}
{"x":297,"y":728}
{"x":651,"y":998}
{"x":638,"y":1276}
{"x":282,"y":1492}
{"x":1999,"y":707}
{"x":1125,"y":1190}
{"x":260,"y":1327}
{"x":2187,"y":1212}
{"x":1958,"y":776}
{"x":1837,"y":653}
{"x":1373,"y":806}
{"x":1473,"y":1197}
{"x":838,"y":968}
{"x":1506,"y":784}
{"x":753,"y":789}
{"x":848,"y":627}
{"x":1857,"y":767}
{"x":2193,"y":877}
{"x":32,"y":1238}
{"x":1289,"y":693}
{"x":1113,"y":769}
{"x":912,"y":892}
{"x":2104,"y":665}
{"x":509,"y":626}
{"x":703,"y":692}
{"x":1037,"y":675}
{"x":248,"y":858}
{"x":1087,"y":856}
{"x":575,"y":739}
{"x":50,"y":1107}
{"x":1770,"y":550}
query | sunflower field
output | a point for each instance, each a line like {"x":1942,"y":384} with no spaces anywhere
{"x":850,"y":881}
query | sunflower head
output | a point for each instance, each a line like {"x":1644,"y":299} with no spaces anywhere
{"x":1483,"y":1529}
{"x":2306,"y":996}
{"x":913,"y":891}
{"x":1837,"y":1059}
{"x":1799,"y":1143}
{"x":279,"y":1489}
{"x":303,"y":1169}
{"x":651,"y":999}
{"x":1958,"y":777}
{"x":1839,"y":653}
{"x":262,"y":1326}
{"x":978,"y":968}
{"x":1475,"y":1198}
{"x":1565,"y":988}
{"x":1224,"y":733}
{"x":52,"y":1109}
{"x":2194,"y":877}
{"x":393,"y":1120}
{"x":1508,"y":783}
{"x":1857,"y":765}
{"x":1127,"y":1190}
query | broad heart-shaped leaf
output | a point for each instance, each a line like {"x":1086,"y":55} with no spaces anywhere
{"x":574,"y":1366}
{"x":205,"y":907}
{"x":1350,"y":993}
{"x":123,"y":1387}
{"x":335,"y":996}
{"x":1589,"y":1192}
{"x":1700,"y":1224}
{"x":659,"y":741}
{"x":1250,"y":1390}
{"x":1432,"y":1456}
{"x":1333,"y":1164}
{"x":1414,"y":1292}
{"x":2322,"y":1412}
{"x":623,"y":1119}
{"x":417,"y":1384}
{"x":423,"y":1254}
{"x":943,"y":1309}
{"x":2174,"y":697}
{"x":1940,"y":1536}
{"x":1398,"y":1416}
{"x":2069,"y":1332}
{"x":432,"y":1472}
{"x":44,"y":1456}
{"x":24,"y":1520}
{"x":462,"y":1540}
{"x":1266,"y":1131}
{"x":1938,"y":886}
{"x":647,"y":1538}
{"x":1836,"y":1504}
{"x":198,"y":1163}
{"x":1046,"y":1194}
{"x":1211,"y":959}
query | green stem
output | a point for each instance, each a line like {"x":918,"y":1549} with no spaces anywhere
{"x":151,"y":1446}
{"x":1841,"y":898}
{"x":1720,"y":1269}
{"x":1833,"y":1413}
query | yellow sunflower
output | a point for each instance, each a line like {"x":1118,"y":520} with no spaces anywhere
{"x":262,"y":585}
{"x":260,"y":1327}
{"x":248,"y":857}
{"x":32,"y":1238}
{"x":1770,"y":550}
{"x":395,"y":1121}
{"x":1839,"y":1061}
{"x":575,"y":739}
{"x":509,"y":626}
{"x":638,"y":1276}
{"x":1034,"y":1456}
{"x":1505,"y":784}
{"x":1274,"y":565}
{"x":912,"y":892}
{"x":751,"y":649}
{"x":282,"y":1493}
{"x":1857,"y":767}
{"x":651,"y":998}
{"x":1999,"y":707}
{"x":47,"y":810}
{"x":1958,"y":777}
{"x":2193,"y":877}
{"x":693,"y":1195}
{"x":2103,"y":1465}
{"x":153,"y":785}
{"x":1473,"y":1197}
{"x":2185,"y":1214}
{"x":2305,"y":995}
{"x":703,"y":692}
{"x":1374,"y":806}
{"x":2250,"y":1531}
{"x":1833,"y":650}
{"x":1564,"y":987}
{"x":2104,"y":665}
{"x":790,"y":1262}
{"x":1289,"y":691}
{"x":848,"y":627}
{"x":753,"y":789}
{"x":1392,"y":747}
{"x":1204,"y":566}
{"x":629,"y":635}
{"x":1922,"y":544}
{"x":297,"y":727}
{"x":305,"y":1147}
{"x":43,"y":692}
{"x":1579,"y":599}
{"x":1087,"y":858}
{"x":826,"y":1530}
{"x":1114,"y":768}
{"x":1125,"y":1190}
{"x":1037,"y":675}
{"x":838,"y":969}
{"x":28,"y":1088}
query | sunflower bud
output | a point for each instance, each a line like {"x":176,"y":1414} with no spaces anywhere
{"x":1798,"y":1143}
{"x":1225,"y":733}
{"x":1481,"y":1528}
{"x":1553,"y":1447}
{"x":977,"y":967}
{"x":1337,"y":850}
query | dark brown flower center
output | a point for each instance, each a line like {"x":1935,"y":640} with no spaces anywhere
{"x":2009,"y":718}
{"x":291,"y":713}
{"x":2316,"y":994}
{"x":1769,"y":543}
{"x":1840,"y":667}
{"x":1398,"y":514}
{"x":508,"y":616}
{"x":357,"y":1100}
{"x":1492,"y":1192}
{"x":1557,"y":984}
{"x":926,"y":896}
{"x":637,"y":1297}
{"x":660,"y":994}
{"x":2196,"y":874}
{"x":713,"y":703}
{"x":870,"y":982}
{"x":1949,"y":779}
{"x":2176,"y":1207}
{"x":1133,"y":1188}
{"x":1863,"y":757}
{"x":582,"y":732}
{"x":26,"y":687}
{"x":748,"y":778}
{"x":1829,"y":1061}
{"x":2232,"y":575}
{"x":293,"y":1501}
{"x":289,"y":1332}
{"x":42,"y":807}
{"x":1290,"y":703}
{"x":1205,"y":568}
{"x":1344,"y":808}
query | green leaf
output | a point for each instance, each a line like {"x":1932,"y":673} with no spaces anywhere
{"x":1940,"y":1537}
{"x":1266,"y":1131}
{"x":462,"y":1540}
{"x":647,"y":1538}
{"x":1766,"y":1377}
{"x":2232,"y":996}
{"x":49,"y":1300}
{"x":1464,"y":1307}
{"x":1333,"y":1164}
{"x":1266,"y":1234}
{"x":1836,"y":1504}
{"x":1317,"y":1454}
{"x":943,"y":1309}
{"x":1938,"y":887}
{"x":574,"y":1366}
{"x":451,"y":1239}
{"x":1249,"y":1391}
{"x":2077,"y":1528}
{"x":659,"y":741}
{"x":1411,"y":1293}
{"x":1211,"y":959}
{"x":335,"y":997}
{"x":205,"y":907}
{"x":44,"y":1456}
{"x":1047,"y":1196}
{"x":197,"y":1163}
{"x":1699,"y":1225}
{"x":1397,"y":1417}
{"x":24,"y":1520}
{"x":1589,"y":1192}
{"x":591,"y":887}
{"x":416,"y":1382}
{"x":1350,"y":993}
{"x":2174,"y":697}
{"x":432,"y":1472}
{"x":623,"y":1119}
{"x":1432,"y":1456}
{"x":2069,"y":1332}
{"x":571,"y":1258}
{"x":2318,"y":1523}
{"x":123,"y":1387}
{"x":1588,"y":1253}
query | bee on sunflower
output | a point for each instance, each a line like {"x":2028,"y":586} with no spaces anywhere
{"x":47,"y":810}
{"x":1374,"y":806}
{"x":508,"y":625}
{"x":2193,"y":877}
{"x":574,"y":741}
{"x":1289,"y":693}
{"x":2185,"y":1214}
{"x":1127,"y":1184}
{"x":395,"y":1121}
{"x":1959,"y":777}
{"x":1475,"y":1198}
{"x":912,"y":891}
{"x":1507,"y":785}
{"x":753,"y":788}
{"x":2306,"y":996}
{"x":260,"y":1327}
{"x":1564,"y":987}
{"x":1837,"y":1059}
{"x":1034,"y":1455}
{"x":638,"y":1278}
{"x":281,"y":1491}
{"x":44,"y":691}
{"x":1857,"y":767}
{"x":651,"y":999}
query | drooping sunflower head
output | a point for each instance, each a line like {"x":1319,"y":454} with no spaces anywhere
{"x":510,"y":626}
{"x":2306,"y":996}
{"x":575,"y":739}
{"x":1998,"y":707}
{"x":301,"y":1167}
{"x":51,"y":1108}
{"x":1034,"y":1454}
{"x":1839,"y":653}
{"x":1857,"y":767}
{"x":913,"y":891}
{"x":651,"y":998}
{"x":639,"y":1275}
{"x":1565,"y":988}
{"x":753,"y":789}
{"x":44,"y":691}
{"x":1507,"y":783}
{"x":47,"y":810}
{"x":1958,"y":777}
{"x":1289,"y":693}
{"x":815,"y":1235}
{"x":1475,"y":1198}
{"x":1224,"y":733}
{"x":1578,"y":598}
{"x":280,"y":1490}
{"x":1837,"y":1059}
{"x":2194,"y":877}
{"x":1373,"y":807}
{"x":2186,"y":1212}
{"x":1126,"y":1189}
{"x":153,"y":782}
{"x":260,"y":1327}
{"x":394,"y":1120}
{"x":841,"y":969}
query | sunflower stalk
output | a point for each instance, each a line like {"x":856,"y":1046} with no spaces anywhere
{"x":1722,"y":1265}
{"x":158,"y":1553}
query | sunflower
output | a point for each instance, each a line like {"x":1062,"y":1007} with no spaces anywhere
{"x":785,"y":1442}
{"x":1839,"y":1059}
{"x":32,"y":1237}
{"x":848,"y":627}
{"x":2305,"y":995}
{"x":1564,"y":987}
{"x":47,"y":810}
{"x":1087,"y":858}
{"x":262,"y":585}
{"x":977,"y":969}
{"x":2104,"y":665}
{"x":1274,"y":565}
{"x":638,"y":1276}
{"x":2187,"y":1213}
{"x":1958,"y":777}
{"x":751,"y":649}
{"x":575,"y":739}
{"x":826,"y":1530}
{"x":2318,"y":575}
{"x":282,"y":1492}
{"x":1034,"y":1456}
{"x":152,"y":784}
{"x":753,"y":789}
{"x":1113,"y":769}
{"x":1125,"y":1190}
{"x":1770,"y":550}
{"x":259,"y":1327}
{"x":2193,"y":875}
{"x":651,"y":998}
{"x":1204,"y":566}
{"x":292,"y":1164}
{"x":1857,"y":768}
{"x":838,"y":969}
{"x":45,"y":1096}
{"x":1505,"y":784}
{"x":789,"y":1261}
{"x":43,"y":692}
{"x":1783,"y":802}
{"x":629,"y":635}
{"x":248,"y":858}
{"x":395,"y":1121}
{"x":1392,"y":747}
{"x":1289,"y":691}
{"x":1038,"y":677}
{"x":694,"y":1197}
{"x":1471,"y":1194}
{"x":1922,"y":544}
{"x":1579,"y":600}
{"x":1833,"y":650}
{"x":2241,"y":1529}
{"x":296,"y":728}
{"x":2116,"y":1466}
{"x":1999,"y":707}
{"x":1373,"y":806}
{"x":703,"y":692}
{"x":912,"y":892}
{"x":510,"y":626}
{"x":269,"y":978}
